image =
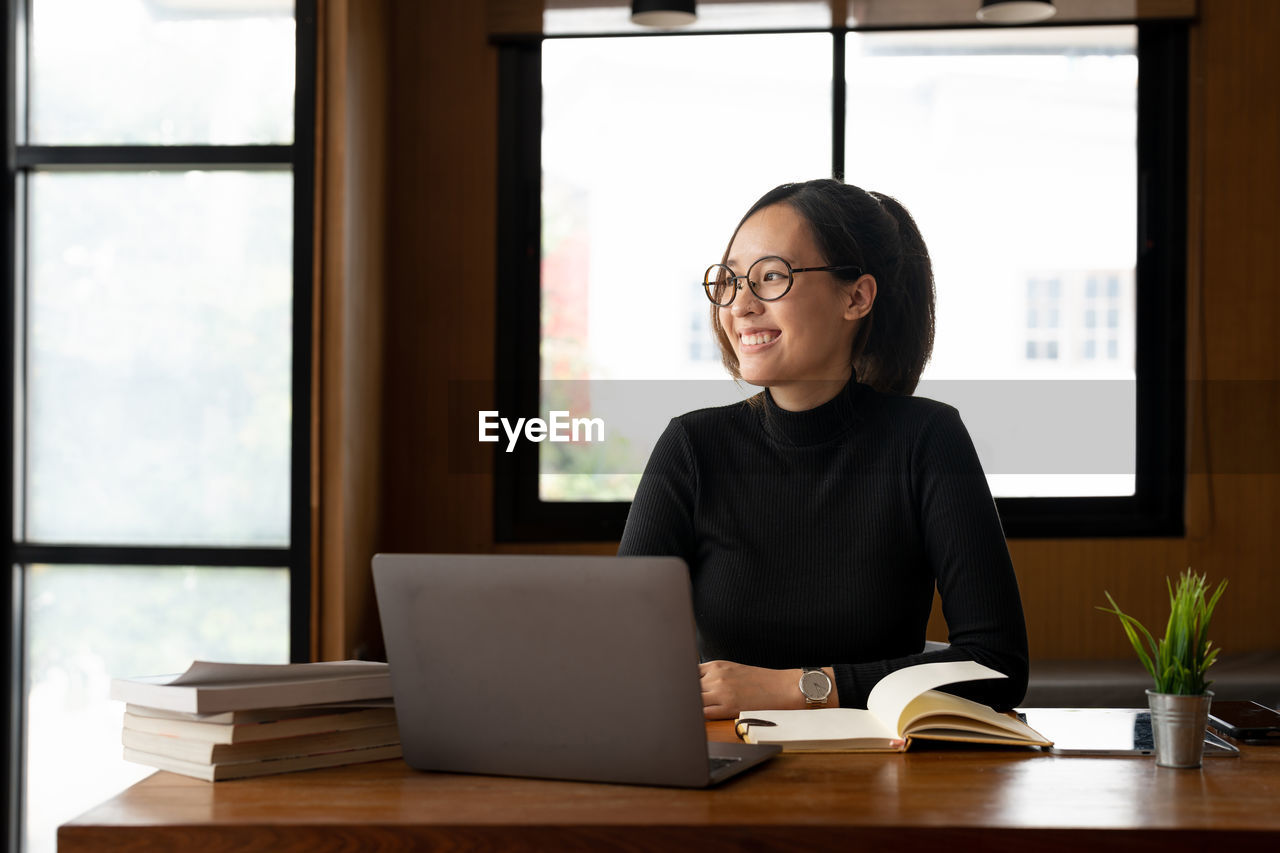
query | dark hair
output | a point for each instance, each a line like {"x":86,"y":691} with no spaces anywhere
{"x":875,"y":232}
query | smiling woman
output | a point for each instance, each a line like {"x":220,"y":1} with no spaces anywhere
{"x":759,"y":351}
{"x":889,"y":347}
{"x":817,"y":517}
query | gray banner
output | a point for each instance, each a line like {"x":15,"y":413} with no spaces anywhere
{"x":1033,"y":436}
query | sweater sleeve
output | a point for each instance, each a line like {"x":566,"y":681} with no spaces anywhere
{"x":660,"y":522}
{"x":966,"y":550}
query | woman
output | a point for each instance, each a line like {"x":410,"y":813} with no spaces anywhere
{"x":817,"y":517}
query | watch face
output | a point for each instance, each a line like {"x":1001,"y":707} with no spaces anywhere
{"x":815,"y":685}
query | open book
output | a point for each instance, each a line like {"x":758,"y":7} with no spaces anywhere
{"x":902,"y":707}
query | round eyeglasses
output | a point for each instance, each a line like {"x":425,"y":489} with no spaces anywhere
{"x":769,"y":278}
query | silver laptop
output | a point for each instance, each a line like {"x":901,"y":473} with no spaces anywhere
{"x":556,"y":667}
{"x":1106,"y":731}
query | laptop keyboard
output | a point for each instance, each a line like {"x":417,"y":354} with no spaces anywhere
{"x":721,"y":763}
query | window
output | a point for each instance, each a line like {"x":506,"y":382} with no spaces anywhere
{"x":1044,"y":300}
{"x":1013,"y":148}
{"x":160,"y":305}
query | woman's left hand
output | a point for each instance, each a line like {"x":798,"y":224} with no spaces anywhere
{"x":730,"y":688}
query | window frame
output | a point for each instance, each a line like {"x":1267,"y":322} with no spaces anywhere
{"x":1160,"y":313}
{"x":297,"y":157}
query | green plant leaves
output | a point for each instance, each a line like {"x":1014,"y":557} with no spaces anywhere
{"x":1177,"y":662}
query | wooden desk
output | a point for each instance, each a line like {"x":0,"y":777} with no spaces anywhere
{"x":937,"y":800}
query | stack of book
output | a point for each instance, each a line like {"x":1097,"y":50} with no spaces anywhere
{"x":230,"y":721}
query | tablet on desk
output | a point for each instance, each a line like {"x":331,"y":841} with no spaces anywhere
{"x":1106,"y":731}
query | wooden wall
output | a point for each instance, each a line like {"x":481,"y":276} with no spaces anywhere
{"x":351,"y":277}
{"x":440,"y":208}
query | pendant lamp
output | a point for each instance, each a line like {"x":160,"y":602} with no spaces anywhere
{"x":663,"y":13}
{"x":1015,"y":11}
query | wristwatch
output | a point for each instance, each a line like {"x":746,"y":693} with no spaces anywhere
{"x":815,"y":685}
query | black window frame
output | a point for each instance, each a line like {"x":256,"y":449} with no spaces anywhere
{"x":1156,"y":508}
{"x":297,"y":157}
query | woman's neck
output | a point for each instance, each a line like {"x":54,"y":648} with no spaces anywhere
{"x":804,"y":394}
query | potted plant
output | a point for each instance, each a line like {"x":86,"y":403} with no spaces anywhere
{"x":1178,"y":662}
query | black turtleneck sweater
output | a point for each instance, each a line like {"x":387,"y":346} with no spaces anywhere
{"x":815,"y":538}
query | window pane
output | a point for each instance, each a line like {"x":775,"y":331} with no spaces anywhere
{"x":87,"y":625}
{"x":652,"y":149}
{"x":159,"y":358}
{"x":161,"y":72}
{"x":1015,"y":151}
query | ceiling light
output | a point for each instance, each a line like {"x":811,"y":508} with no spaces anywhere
{"x":663,"y":13}
{"x":1015,"y":11}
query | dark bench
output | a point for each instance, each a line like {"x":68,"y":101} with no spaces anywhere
{"x":1123,"y":683}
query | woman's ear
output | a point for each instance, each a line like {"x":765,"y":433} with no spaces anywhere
{"x":861,"y":295}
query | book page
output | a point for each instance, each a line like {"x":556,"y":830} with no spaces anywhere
{"x":212,"y":688}
{"x":207,"y":672}
{"x":830,"y":726}
{"x":891,"y":695}
{"x":951,"y":717}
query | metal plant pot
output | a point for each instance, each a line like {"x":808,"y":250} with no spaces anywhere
{"x":1178,"y":724}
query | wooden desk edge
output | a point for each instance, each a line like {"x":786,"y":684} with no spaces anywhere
{"x":905,"y":808}
{"x":286,"y":838}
